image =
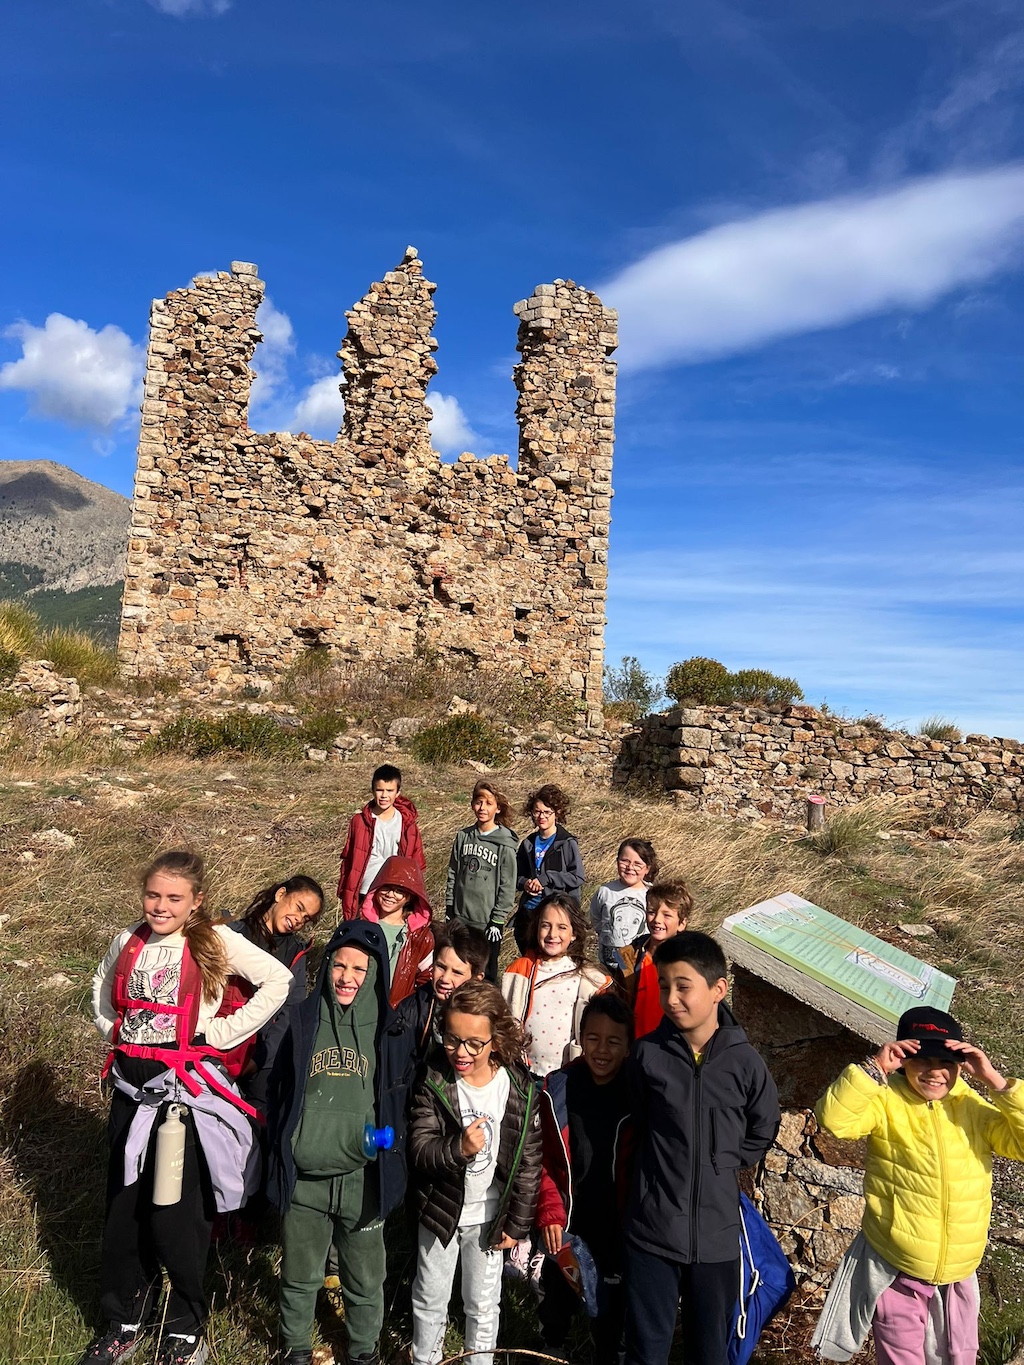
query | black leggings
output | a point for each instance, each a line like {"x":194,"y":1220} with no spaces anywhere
{"x":140,"y":1237}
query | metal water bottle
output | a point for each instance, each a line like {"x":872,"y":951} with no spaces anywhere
{"x":170,"y":1157}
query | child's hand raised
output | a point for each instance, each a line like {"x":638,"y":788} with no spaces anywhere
{"x":891,"y":1056}
{"x":975,"y":1063}
{"x":474,"y":1137}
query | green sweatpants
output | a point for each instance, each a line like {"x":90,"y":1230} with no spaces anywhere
{"x":342,"y":1209}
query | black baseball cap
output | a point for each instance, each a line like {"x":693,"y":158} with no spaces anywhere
{"x":930,"y":1028}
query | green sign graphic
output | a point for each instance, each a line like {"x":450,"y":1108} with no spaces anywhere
{"x":849,"y":960}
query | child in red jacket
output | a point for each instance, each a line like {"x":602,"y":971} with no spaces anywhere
{"x":397,"y":901}
{"x":586,"y":1133}
{"x":386,"y":827}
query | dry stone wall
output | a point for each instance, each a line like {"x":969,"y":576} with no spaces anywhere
{"x":248,"y":548}
{"x":751,"y":763}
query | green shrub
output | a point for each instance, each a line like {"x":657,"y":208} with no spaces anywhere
{"x":754,"y":685}
{"x":700,"y":680}
{"x":938,"y":727}
{"x":461,"y":737}
{"x":10,"y":662}
{"x":241,"y":733}
{"x":77,"y":655}
{"x":320,"y":730}
{"x":631,"y":683}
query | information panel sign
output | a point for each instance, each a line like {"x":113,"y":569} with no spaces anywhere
{"x":848,"y":960}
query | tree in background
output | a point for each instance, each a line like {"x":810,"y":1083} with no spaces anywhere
{"x":630,"y":688}
{"x":706,"y":682}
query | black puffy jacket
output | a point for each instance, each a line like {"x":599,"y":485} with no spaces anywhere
{"x":438,"y":1167}
{"x":391,"y":1077}
{"x":697,"y":1127}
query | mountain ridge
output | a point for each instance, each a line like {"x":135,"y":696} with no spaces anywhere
{"x":71,"y":530}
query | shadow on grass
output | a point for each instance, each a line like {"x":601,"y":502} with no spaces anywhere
{"x":59,"y":1150}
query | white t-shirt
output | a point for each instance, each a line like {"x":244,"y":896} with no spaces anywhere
{"x":618,"y":913}
{"x":483,"y":1194}
{"x":386,"y":837}
{"x":556,"y":988}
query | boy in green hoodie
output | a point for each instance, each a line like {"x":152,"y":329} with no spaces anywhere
{"x":334,"y":1192}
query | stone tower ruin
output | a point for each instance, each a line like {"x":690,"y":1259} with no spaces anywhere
{"x":247,"y":548}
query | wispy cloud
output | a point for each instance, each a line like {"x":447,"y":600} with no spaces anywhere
{"x":450,"y":430}
{"x":75,"y":374}
{"x":793,"y":270}
{"x":180,"y":9}
{"x":903,"y":605}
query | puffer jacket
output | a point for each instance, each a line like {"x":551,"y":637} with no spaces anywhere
{"x":438,"y":1167}
{"x":412,"y":967}
{"x":928,"y":1177}
{"x":359,"y":845}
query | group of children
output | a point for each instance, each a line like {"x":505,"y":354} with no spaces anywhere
{"x":583,"y":1124}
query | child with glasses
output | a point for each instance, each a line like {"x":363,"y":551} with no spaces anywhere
{"x":475,"y":1159}
{"x":618,"y":909}
{"x":397,"y":901}
{"x":548,"y":859}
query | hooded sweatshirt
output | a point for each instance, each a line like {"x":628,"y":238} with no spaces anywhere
{"x":481,"y":884}
{"x":339,"y":1086}
{"x":411,"y":943}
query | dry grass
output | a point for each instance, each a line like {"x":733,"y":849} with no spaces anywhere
{"x":256,"y":821}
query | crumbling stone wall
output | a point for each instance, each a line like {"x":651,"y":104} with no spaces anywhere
{"x":248,"y":548}
{"x":743,"y":761}
{"x":811,"y":1191}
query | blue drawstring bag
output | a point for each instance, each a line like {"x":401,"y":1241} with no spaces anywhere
{"x":766,"y":1282}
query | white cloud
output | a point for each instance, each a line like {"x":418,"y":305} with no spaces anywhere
{"x":825,"y":264}
{"x":449,"y":427}
{"x":73,"y":373}
{"x":270,"y":360}
{"x":180,"y":8}
{"x":319,"y":411}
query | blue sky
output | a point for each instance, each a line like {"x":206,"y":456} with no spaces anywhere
{"x":811,"y":218}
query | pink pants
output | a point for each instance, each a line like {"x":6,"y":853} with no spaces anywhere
{"x":901,"y":1320}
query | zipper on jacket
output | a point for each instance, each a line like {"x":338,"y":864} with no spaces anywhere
{"x":513,"y":1170}
{"x":936,"y":1113}
{"x":695,"y":1181}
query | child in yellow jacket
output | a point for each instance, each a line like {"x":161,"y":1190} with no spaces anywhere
{"x":910,"y":1274}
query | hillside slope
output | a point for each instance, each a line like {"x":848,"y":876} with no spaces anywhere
{"x":72,"y":531}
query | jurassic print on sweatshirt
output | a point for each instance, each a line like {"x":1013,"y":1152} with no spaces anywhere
{"x":481,"y":884}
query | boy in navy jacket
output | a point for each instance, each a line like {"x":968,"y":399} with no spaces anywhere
{"x":705,"y":1106}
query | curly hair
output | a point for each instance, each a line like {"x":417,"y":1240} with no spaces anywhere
{"x":204,"y":945}
{"x":509,"y":1039}
{"x":254,"y":916}
{"x":644,"y":850}
{"x":548,"y":795}
{"x":504,"y":815}
{"x":577,"y":949}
